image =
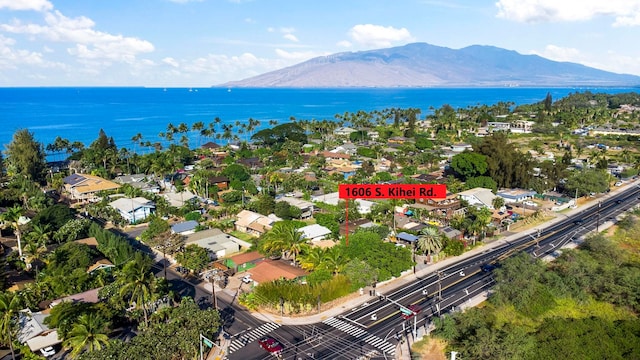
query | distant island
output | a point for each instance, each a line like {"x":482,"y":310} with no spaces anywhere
{"x":426,"y":65}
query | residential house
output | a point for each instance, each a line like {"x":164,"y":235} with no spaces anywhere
{"x":33,"y":332}
{"x":478,"y":197}
{"x":184,"y":227}
{"x":398,"y":140}
{"x":522,"y":126}
{"x":346,"y":148}
{"x":354,"y":225}
{"x":86,"y":187}
{"x":364,"y":206}
{"x":252,"y":163}
{"x":516,"y":195}
{"x":441,"y":208}
{"x":314,"y":232}
{"x":253,"y":223}
{"x":451,"y":233}
{"x":245,"y":261}
{"x":270,"y":270}
{"x":406,"y":238}
{"x":305,"y":207}
{"x":133,"y":209}
{"x":217,"y":243}
{"x":210,"y":146}
{"x":222,"y":182}
{"x":335,"y":155}
{"x":373,"y":135}
{"x":343,"y":131}
{"x":180,"y":199}
{"x":89,"y":297}
{"x":139,"y":181}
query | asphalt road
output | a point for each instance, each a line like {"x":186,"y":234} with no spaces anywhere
{"x":372,"y":330}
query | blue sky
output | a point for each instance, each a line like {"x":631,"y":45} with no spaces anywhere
{"x":191,"y":43}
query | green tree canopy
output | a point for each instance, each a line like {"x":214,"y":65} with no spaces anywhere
{"x":469,"y":164}
{"x":25,"y":156}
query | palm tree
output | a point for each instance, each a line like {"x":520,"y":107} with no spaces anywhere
{"x":334,"y":260}
{"x":286,"y":238}
{"x":9,"y":307}
{"x":313,"y":258}
{"x":12,"y":217}
{"x":89,"y":333}
{"x":138,"y":283}
{"x":429,"y":240}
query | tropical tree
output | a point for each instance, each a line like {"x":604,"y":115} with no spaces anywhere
{"x":88,"y":333}
{"x":9,"y":307}
{"x":285,"y":237}
{"x":25,"y":156}
{"x":138,"y":283}
{"x":11,"y":218}
{"x":312,"y":259}
{"x":429,"y":241}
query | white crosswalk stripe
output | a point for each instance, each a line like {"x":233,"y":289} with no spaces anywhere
{"x":252,"y":335}
{"x":361,"y":334}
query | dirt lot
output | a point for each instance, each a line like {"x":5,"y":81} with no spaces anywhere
{"x":429,"y":349}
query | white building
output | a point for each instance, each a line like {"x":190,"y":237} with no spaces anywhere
{"x":478,"y":197}
{"x":135,"y":209}
{"x":314,"y":232}
{"x":218,"y":243}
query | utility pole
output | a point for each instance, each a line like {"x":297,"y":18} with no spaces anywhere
{"x":214,"y":300}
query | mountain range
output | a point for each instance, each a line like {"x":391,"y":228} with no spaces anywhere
{"x":426,"y":65}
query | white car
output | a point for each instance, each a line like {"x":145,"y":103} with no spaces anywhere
{"x":619,"y":183}
{"x":247,"y":279}
{"x":48,"y":351}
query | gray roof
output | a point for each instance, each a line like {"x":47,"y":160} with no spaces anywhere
{"x":407,"y":237}
{"x":184,"y":226}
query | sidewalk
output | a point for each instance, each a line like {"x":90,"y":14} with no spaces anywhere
{"x":422,"y":270}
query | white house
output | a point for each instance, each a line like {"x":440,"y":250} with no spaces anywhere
{"x":134,"y":209}
{"x":516,"y":195}
{"x":343,"y":131}
{"x":364,"y":206}
{"x":314,"y":232}
{"x":478,"y":197}
{"x":218,"y":243}
{"x":179,"y":199}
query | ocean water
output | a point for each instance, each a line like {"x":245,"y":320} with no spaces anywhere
{"x":78,"y":114}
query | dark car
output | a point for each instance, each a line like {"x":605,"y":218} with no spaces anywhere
{"x":488,"y":267}
{"x":578,"y":222}
{"x":271,"y":345}
{"x":413,"y":310}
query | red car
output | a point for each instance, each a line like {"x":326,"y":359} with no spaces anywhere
{"x":271,"y":345}
{"x":415,"y":309}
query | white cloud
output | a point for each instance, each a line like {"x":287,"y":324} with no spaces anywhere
{"x":557,"y":53}
{"x":171,"y":61}
{"x":624,"y":12}
{"x":297,"y":56}
{"x":35,"y":5}
{"x":291,"y":37}
{"x":89,"y":43}
{"x":380,"y":36}
{"x":344,"y":44}
{"x":11,"y":58}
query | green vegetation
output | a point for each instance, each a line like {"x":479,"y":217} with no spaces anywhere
{"x":589,"y":295}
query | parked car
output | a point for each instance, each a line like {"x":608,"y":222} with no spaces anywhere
{"x":271,"y":345}
{"x":48,"y":351}
{"x":247,"y":279}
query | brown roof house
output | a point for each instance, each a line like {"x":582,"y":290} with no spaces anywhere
{"x":253,"y":223}
{"x":85,"y":186}
{"x":244,"y":261}
{"x":270,"y":270}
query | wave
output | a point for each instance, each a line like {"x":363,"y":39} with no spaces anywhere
{"x":53,"y":126}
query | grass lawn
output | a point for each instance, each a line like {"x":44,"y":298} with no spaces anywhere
{"x":242,"y":236}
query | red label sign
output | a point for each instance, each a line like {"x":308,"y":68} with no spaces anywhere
{"x":388,"y":191}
